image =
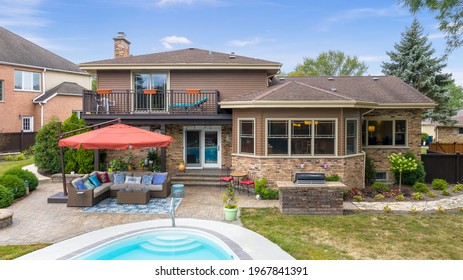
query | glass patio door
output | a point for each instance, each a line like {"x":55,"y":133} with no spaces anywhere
{"x":202,"y":147}
{"x":150,"y":102}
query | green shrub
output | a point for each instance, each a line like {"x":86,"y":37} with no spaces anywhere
{"x":19,"y":157}
{"x":445,"y":192}
{"x":14,"y":184}
{"x":25,"y":175}
{"x":417,"y":196}
{"x":439,"y":184}
{"x":420,"y":187}
{"x":379,"y":197}
{"x":409,"y":178}
{"x":47,"y":156}
{"x":359,"y":198}
{"x":9,"y":158}
{"x":263,"y":191}
{"x":333,"y":178}
{"x":380,"y":187}
{"x":431,"y":194}
{"x":370,"y":171}
{"x":457,"y":188}
{"x":400,"y":197}
{"x":6,"y":197}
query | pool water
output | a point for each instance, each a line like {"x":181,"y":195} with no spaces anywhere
{"x":162,"y":244}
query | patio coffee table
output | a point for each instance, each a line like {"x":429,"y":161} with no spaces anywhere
{"x":133,"y":196}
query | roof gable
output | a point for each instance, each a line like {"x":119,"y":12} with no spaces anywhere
{"x":65,"y":88}
{"x":18,"y":51}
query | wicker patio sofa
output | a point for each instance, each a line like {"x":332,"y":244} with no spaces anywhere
{"x":79,"y":196}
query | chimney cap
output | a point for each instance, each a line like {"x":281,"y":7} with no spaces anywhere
{"x":121,"y":36}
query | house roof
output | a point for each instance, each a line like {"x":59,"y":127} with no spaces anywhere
{"x":191,"y":58}
{"x":346,"y":91}
{"x":65,"y":88}
{"x":16,"y":50}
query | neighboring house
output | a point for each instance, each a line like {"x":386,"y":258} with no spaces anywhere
{"x":36,"y":84}
{"x":225,"y":110}
{"x":450,"y":133}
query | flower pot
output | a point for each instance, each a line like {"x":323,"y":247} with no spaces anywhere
{"x":230,"y":213}
{"x":181,"y":167}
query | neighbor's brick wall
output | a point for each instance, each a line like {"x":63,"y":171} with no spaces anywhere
{"x":380,"y":154}
{"x":448,"y":135}
{"x":61,"y":107}
{"x":350,"y":169}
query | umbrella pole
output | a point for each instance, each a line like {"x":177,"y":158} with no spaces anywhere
{"x":63,"y":174}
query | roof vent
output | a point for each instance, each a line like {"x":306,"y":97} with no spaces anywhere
{"x":330,"y":78}
{"x":375,"y":78}
{"x":333,"y":89}
{"x":232,"y":55}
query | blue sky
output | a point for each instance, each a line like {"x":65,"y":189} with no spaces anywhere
{"x":282,"y":31}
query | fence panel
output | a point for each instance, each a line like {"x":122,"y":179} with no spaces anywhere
{"x":448,"y":148}
{"x":16,"y":141}
{"x":444,"y":166}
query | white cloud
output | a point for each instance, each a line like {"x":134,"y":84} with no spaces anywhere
{"x":168,"y":41}
{"x":367,"y":13}
{"x":22,"y":13}
{"x":436,"y":36}
{"x":245,"y":43}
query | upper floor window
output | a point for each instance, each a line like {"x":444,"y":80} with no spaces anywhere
{"x":301,"y":137}
{"x":27,"y":124}
{"x":27,"y":81}
{"x":246,"y":137}
{"x":150,"y":81}
{"x":386,"y":132}
{"x":2,"y":87}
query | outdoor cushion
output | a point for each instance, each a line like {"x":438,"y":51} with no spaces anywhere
{"x":103,"y":177}
{"x":80,"y":186}
{"x":95,"y":181}
{"x":147,"y":179}
{"x":119,"y":178}
{"x":132,"y":180}
{"x":89,"y":185}
{"x":159,"y":178}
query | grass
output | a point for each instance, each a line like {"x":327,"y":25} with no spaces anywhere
{"x":5,"y":165}
{"x":361,"y":236}
{"x":10,"y":252}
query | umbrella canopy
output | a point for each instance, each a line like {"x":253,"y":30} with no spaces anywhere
{"x":116,"y":137}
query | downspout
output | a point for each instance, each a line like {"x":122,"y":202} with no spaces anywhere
{"x":40,"y":103}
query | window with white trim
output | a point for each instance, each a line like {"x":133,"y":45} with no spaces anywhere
{"x":351,"y":137}
{"x":27,"y":81}
{"x":301,"y":137}
{"x":386,"y":132}
{"x":246,"y":137}
{"x":27,"y":124}
{"x":2,"y":86}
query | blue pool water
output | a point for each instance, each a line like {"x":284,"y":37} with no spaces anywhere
{"x":162,"y":244}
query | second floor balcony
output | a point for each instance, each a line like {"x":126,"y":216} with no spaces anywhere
{"x":151,"y":101}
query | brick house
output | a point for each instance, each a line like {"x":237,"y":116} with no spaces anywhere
{"x":36,"y":84}
{"x":225,"y":110}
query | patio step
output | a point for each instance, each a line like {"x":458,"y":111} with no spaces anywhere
{"x":198,"y":178}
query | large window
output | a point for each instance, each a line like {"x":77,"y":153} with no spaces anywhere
{"x":27,"y":124}
{"x":301,"y":137}
{"x":2,"y":86}
{"x":351,"y":137}
{"x":150,"y":102}
{"x":386,"y":132}
{"x":27,"y":81}
{"x":246,"y":137}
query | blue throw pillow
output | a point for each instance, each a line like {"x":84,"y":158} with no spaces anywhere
{"x":159,"y":178}
{"x":80,"y":186}
{"x":89,"y":185}
{"x":119,"y":178}
{"x":94,"y":180}
{"x":147,"y":179}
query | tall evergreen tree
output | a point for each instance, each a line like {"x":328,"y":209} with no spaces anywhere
{"x":413,"y":62}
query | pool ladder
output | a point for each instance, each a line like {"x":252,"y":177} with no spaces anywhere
{"x":172,"y":212}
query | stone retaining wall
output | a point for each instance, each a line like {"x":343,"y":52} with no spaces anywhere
{"x":6,"y":218}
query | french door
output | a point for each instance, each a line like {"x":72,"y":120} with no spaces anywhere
{"x":202,"y":147}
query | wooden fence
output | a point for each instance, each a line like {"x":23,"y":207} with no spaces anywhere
{"x":444,"y":166}
{"x":448,"y":148}
{"x":16,"y":141}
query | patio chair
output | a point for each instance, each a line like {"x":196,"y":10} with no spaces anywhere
{"x":248,"y":182}
{"x":198,"y":105}
{"x":226,"y":180}
{"x":105,"y":103}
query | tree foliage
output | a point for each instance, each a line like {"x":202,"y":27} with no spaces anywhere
{"x":47,"y":155}
{"x":331,"y":63}
{"x":413,"y":61}
{"x":449,"y":14}
{"x":78,"y":160}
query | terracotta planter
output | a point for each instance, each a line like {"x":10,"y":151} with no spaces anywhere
{"x":150,"y":91}
{"x":104,"y":91}
{"x":193,"y":91}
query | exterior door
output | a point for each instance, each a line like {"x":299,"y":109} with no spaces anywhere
{"x":202,"y":147}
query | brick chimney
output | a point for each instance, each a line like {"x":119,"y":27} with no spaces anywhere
{"x":121,"y":46}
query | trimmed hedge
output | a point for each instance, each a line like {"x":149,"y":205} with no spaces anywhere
{"x":14,"y":184}
{"x":25,"y":175}
{"x":6,"y":197}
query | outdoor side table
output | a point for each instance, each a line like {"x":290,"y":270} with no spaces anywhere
{"x":129,"y":196}
{"x":178,"y":190}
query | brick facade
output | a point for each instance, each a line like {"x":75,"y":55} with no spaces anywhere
{"x":447,"y":134}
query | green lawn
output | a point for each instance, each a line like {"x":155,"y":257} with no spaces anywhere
{"x":5,"y":165}
{"x":13,"y":251}
{"x":361,"y":236}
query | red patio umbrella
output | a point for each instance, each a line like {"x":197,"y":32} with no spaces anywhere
{"x":116,"y":137}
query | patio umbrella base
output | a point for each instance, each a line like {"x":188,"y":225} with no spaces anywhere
{"x":58,"y":198}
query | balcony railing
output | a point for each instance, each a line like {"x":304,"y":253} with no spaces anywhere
{"x":151,"y":102}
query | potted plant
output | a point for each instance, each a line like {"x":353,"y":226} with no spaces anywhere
{"x":181,"y":166}
{"x":230,"y":204}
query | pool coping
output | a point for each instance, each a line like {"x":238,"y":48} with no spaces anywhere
{"x":246,"y":244}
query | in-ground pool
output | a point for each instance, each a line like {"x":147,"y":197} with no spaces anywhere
{"x":162,"y":244}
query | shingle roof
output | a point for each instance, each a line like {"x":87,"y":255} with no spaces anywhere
{"x":17,"y":50}
{"x":184,"y":56}
{"x":377,"y":89}
{"x":65,"y":88}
